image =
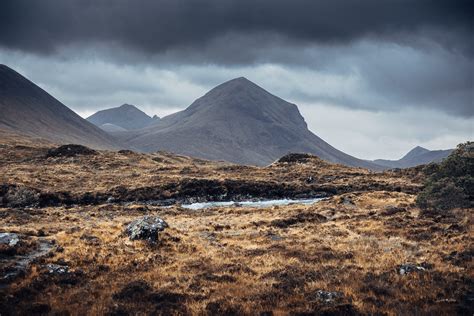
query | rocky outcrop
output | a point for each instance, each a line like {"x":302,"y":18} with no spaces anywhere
{"x":70,"y":150}
{"x":146,"y":228}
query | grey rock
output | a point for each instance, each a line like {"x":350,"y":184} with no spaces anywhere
{"x":146,"y":228}
{"x":328,"y":297}
{"x":410,"y":268}
{"x":57,"y":269}
{"x":17,"y":265}
{"x":9,"y":239}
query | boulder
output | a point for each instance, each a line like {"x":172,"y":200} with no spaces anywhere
{"x":9,"y":239}
{"x":146,"y":228}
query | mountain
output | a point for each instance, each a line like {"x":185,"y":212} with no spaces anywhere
{"x":239,"y":122}
{"x":416,"y":156}
{"x":126,"y":116}
{"x":29,"y":110}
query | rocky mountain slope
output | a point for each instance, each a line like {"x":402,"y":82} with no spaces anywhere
{"x":238,"y":122}
{"x":126,"y":116}
{"x":416,"y":156}
{"x":27,"y":109}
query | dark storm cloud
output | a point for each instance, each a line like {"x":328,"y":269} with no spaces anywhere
{"x":156,"y":26}
{"x":376,"y":55}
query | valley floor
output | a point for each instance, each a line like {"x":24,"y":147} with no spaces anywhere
{"x":364,"y":250}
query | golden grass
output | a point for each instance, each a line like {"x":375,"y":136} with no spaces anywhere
{"x":234,"y":260}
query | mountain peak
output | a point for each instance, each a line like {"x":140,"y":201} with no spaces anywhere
{"x":240,"y":83}
{"x":127,"y":106}
{"x":241,"y":79}
{"x":418,"y":150}
{"x":126,"y":116}
{"x":238,"y":121}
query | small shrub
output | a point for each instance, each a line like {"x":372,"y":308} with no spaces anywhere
{"x":450,"y":184}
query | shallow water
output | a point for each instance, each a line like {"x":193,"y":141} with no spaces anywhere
{"x":263,"y":203}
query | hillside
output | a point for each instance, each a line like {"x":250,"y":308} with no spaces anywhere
{"x":237,"y":122}
{"x":27,"y":109}
{"x":415,"y":157}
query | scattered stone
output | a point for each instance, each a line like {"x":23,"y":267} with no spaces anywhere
{"x":110,"y":200}
{"x":146,"y":228}
{"x":410,"y":267}
{"x":57,"y":269}
{"x":328,"y":297}
{"x":70,"y":150}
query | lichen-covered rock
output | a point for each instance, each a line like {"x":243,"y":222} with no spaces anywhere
{"x":146,"y":228}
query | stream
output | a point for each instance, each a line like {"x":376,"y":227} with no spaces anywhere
{"x":262,"y":203}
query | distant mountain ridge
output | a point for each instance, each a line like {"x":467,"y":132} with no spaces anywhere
{"x":239,"y":122}
{"x":27,"y":109}
{"x":416,"y":156}
{"x":126,"y":116}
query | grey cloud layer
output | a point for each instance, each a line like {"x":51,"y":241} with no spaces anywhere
{"x":155,"y":26}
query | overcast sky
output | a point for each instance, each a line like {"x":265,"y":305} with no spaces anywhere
{"x":373,"y":78}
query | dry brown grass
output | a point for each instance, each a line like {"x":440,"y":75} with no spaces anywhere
{"x":235,"y":260}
